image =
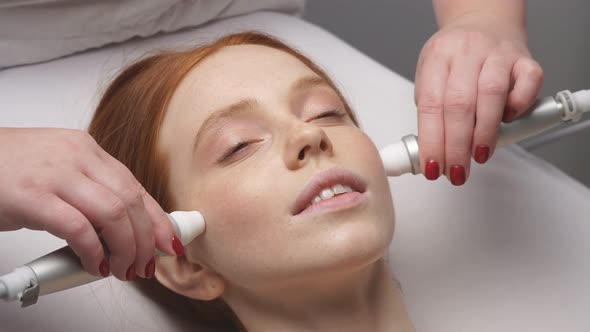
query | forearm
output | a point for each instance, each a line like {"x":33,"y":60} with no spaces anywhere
{"x":505,"y":15}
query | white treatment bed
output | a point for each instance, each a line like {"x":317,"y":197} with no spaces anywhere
{"x":507,"y":252}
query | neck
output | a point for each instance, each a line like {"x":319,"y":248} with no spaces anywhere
{"x":368,"y":299}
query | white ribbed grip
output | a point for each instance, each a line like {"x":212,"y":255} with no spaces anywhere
{"x":16,"y":282}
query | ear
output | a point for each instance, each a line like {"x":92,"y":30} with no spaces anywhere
{"x":188,"y":278}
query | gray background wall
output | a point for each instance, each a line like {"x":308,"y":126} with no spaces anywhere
{"x":393,"y":32}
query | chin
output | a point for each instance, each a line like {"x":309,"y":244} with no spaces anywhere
{"x":358,"y":244}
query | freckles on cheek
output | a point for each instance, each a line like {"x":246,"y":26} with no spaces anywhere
{"x":233,"y":209}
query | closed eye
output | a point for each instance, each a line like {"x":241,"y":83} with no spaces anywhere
{"x":331,"y":113}
{"x":233,"y":150}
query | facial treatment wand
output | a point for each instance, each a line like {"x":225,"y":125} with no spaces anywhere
{"x":62,"y":269}
{"x":402,"y":157}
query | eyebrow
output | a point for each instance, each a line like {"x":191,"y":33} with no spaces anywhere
{"x":218,"y":117}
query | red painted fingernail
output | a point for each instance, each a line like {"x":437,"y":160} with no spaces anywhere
{"x":508,"y":115}
{"x":150,"y":268}
{"x":457,"y":175}
{"x":104,"y":268}
{"x":431,"y":170}
{"x":177,"y":246}
{"x":130,"y":275}
{"x":482,"y":152}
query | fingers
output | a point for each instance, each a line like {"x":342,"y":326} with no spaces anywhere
{"x":109,"y":218}
{"x":429,"y":100}
{"x":161,"y":226}
{"x":528,"y":79}
{"x":463,"y":91}
{"x":492,"y":90}
{"x":126,"y":211}
{"x":80,"y":193}
{"x":59,"y":218}
{"x":163,"y":229}
{"x":123,"y":213}
{"x":459,"y":116}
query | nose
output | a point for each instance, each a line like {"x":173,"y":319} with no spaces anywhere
{"x":305,"y":143}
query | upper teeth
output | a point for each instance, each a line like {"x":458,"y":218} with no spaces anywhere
{"x":331,"y":192}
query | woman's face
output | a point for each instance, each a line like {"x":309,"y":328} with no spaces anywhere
{"x":251,"y":137}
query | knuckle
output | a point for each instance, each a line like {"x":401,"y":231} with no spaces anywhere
{"x":429,"y":103}
{"x":456,"y":101}
{"x":77,"y":228}
{"x":436,"y":44}
{"x":470,"y":40}
{"x":440,"y":46}
{"x":132,"y":195}
{"x":473,"y":36}
{"x":117,"y":210}
{"x":535,"y":72}
{"x":37,"y":185}
{"x":505,"y":46}
{"x":74,"y":141}
{"x":79,"y":141}
{"x":492,"y":87}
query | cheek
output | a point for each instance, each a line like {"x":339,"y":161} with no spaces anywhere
{"x":242,"y":216}
{"x":234,"y":207}
{"x":357,"y":149}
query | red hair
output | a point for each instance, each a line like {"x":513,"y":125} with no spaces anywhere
{"x":126,"y":125}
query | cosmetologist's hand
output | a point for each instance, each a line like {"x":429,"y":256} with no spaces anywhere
{"x":62,"y":182}
{"x":470,"y":76}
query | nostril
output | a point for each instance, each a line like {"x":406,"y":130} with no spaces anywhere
{"x":301,"y":154}
{"x":323,"y":146}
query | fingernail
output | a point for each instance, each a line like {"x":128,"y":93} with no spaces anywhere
{"x":482,"y":152}
{"x":104,"y":268}
{"x":150,"y":269}
{"x":130,"y":275}
{"x":457,"y":175}
{"x":508,"y":115}
{"x":177,"y":246}
{"x":431,"y":170}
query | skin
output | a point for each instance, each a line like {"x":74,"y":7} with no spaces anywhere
{"x":276,"y":270}
{"x":473,"y":73}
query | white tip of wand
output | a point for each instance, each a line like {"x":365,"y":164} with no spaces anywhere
{"x":190,"y":225}
{"x":396,"y":159}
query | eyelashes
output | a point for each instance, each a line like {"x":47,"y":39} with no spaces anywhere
{"x":242,"y":145}
{"x":331,"y":113}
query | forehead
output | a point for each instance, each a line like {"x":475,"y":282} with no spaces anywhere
{"x":242,"y":71}
{"x":229,"y":75}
